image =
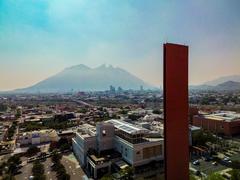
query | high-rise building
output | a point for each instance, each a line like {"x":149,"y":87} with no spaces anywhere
{"x":112,"y":89}
{"x":176,"y":112}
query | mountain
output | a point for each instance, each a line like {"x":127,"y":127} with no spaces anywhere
{"x":228,"y":86}
{"x":235,"y":78}
{"x":225,"y":86}
{"x":83,"y":78}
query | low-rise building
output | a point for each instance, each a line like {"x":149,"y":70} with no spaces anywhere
{"x":37,"y":137}
{"x":220,"y":122}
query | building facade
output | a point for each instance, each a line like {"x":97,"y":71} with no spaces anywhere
{"x":101,"y":148}
{"x":224,"y":122}
{"x":37,"y":137}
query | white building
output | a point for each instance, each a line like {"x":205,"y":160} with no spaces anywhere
{"x":112,"y":141}
{"x":85,"y":139}
{"x":135,"y":147}
{"x":38,"y":137}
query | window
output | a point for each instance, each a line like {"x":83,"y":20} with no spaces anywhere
{"x":103,"y":132}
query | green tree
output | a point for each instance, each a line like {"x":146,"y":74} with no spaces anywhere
{"x":8,"y":177}
{"x":63,"y":176}
{"x":127,"y":173}
{"x":38,"y":171}
{"x":156,"y":111}
{"x":235,"y":164}
{"x":201,"y":137}
{"x":215,"y":176}
{"x":63,"y":144}
{"x":56,"y":157}
{"x":32,"y":150}
{"x":107,"y":177}
{"x":12,"y":163}
{"x":235,"y":174}
{"x":15,"y":159}
{"x":3,"y":107}
{"x":192,"y":177}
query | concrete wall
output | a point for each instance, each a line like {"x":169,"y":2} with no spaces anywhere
{"x":134,"y":153}
{"x":105,"y":135}
{"x":81,"y":145}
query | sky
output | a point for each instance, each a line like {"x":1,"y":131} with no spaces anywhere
{"x":39,"y":38}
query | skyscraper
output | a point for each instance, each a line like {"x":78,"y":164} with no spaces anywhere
{"x":176,"y":112}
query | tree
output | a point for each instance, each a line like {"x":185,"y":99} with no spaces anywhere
{"x":59,"y":168}
{"x":64,"y":176}
{"x":107,"y":177}
{"x":32,"y":150}
{"x":3,"y":107}
{"x":12,"y":163}
{"x":14,"y":159}
{"x":11,"y":130}
{"x":192,"y":177}
{"x":127,"y":172}
{"x":215,"y":176}
{"x":235,"y":164}
{"x":201,"y":137}
{"x":56,"y":157}
{"x":235,"y":174}
{"x":156,"y":111}
{"x":8,"y":177}
{"x":38,"y":171}
{"x":37,"y":168}
{"x":18,"y":114}
{"x":63,"y":144}
{"x":133,"y":117}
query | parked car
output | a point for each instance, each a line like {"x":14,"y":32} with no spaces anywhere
{"x":215,"y":163}
{"x":198,"y":173}
{"x":226,"y":159}
{"x":197,"y":162}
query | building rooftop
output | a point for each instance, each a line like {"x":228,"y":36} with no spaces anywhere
{"x":86,"y":130}
{"x":223,"y":116}
{"x":127,"y":127}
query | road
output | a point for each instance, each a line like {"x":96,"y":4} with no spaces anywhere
{"x":83,"y":103}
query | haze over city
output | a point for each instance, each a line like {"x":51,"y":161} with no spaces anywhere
{"x":119,"y":90}
{"x":40,"y":38}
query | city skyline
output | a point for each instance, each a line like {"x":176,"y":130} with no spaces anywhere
{"x":39,"y":39}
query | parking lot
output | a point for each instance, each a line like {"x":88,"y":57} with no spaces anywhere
{"x":27,"y":170}
{"x":207,"y":167}
{"x":68,"y":160}
{"x":72,"y":167}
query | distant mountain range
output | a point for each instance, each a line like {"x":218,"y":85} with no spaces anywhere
{"x":235,"y":78}
{"x":227,"y":83}
{"x":83,"y":78}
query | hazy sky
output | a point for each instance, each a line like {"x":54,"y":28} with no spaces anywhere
{"x":39,"y":38}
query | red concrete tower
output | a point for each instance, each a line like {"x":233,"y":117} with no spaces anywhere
{"x":176,"y":141}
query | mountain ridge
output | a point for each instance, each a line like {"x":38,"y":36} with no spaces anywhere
{"x":83,"y":78}
{"x":214,"y":82}
{"x":225,"y":86}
